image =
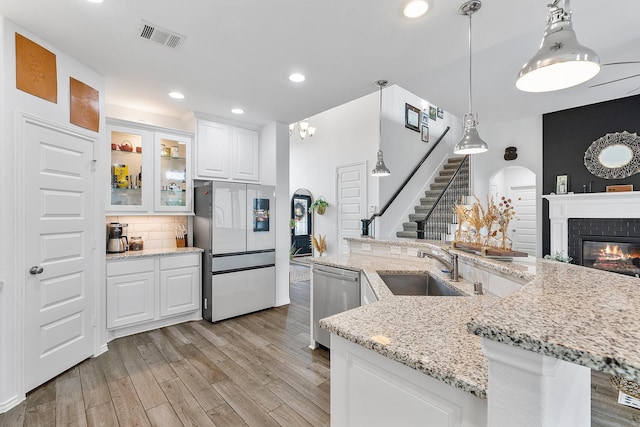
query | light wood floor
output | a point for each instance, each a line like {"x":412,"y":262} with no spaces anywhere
{"x":253,"y":370}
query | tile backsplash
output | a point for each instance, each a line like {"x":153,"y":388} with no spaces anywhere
{"x":156,"y":231}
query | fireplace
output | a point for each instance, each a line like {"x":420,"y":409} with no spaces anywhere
{"x":611,"y":244}
{"x":617,"y":254}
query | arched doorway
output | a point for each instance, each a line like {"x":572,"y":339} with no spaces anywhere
{"x":301,"y":223}
{"x":518,"y":184}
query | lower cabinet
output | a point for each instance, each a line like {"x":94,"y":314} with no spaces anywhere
{"x":368,"y":389}
{"x":152,"y":292}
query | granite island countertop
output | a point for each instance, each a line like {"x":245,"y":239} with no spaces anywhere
{"x":425,"y":333}
{"x":573,"y":313}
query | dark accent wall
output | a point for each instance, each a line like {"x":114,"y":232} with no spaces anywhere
{"x":567,"y":134}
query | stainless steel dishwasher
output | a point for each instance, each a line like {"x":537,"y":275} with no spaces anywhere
{"x":334,"y":290}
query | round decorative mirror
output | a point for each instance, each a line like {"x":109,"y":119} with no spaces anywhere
{"x":614,"y":156}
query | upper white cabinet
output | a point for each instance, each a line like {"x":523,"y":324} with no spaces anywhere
{"x":150,"y":169}
{"x":226,"y":152}
{"x":245,"y":155}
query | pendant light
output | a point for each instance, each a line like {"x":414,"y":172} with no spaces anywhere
{"x":471,"y":143}
{"x":561,"y":61}
{"x":380,"y":169}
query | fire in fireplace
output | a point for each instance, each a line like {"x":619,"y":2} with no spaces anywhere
{"x":620,"y":255}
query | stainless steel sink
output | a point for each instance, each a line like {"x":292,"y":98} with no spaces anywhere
{"x":418,"y":284}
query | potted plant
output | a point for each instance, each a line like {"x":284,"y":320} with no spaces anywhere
{"x":319,"y":205}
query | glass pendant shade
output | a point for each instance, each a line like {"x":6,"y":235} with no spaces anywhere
{"x":561,"y":61}
{"x":471,"y":143}
{"x":380,"y":169}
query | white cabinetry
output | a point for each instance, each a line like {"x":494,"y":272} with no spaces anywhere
{"x":368,"y":389}
{"x":130,"y":292}
{"x":179,"y":284}
{"x":245,"y":155}
{"x":150,"y":170}
{"x":226,"y":152}
{"x":152,"y":292}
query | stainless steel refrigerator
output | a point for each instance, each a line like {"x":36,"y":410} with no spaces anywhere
{"x":235,"y":224}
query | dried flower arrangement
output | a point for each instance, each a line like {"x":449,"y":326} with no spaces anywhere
{"x":320,"y":243}
{"x":480,"y":226}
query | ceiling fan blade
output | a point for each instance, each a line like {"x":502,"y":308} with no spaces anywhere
{"x":621,"y":63}
{"x":631,"y":91}
{"x":616,"y":80}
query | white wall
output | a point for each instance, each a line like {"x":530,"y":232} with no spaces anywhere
{"x":12,"y":272}
{"x":274,"y":170}
{"x":403,"y":149}
{"x":526,"y":136}
{"x":148,"y":118}
{"x":350,"y":134}
{"x":345,"y":134}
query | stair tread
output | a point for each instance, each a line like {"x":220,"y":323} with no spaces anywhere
{"x":444,"y":229}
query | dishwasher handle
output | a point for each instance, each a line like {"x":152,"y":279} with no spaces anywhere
{"x":347,"y":278}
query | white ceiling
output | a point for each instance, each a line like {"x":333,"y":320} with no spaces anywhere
{"x":239,"y":53}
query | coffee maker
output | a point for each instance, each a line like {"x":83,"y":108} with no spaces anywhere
{"x":117,"y":239}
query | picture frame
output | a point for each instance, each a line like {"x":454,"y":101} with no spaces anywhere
{"x":411,"y":117}
{"x":424,"y":117}
{"x":433,"y":114}
{"x":440,"y":113}
{"x":562,"y":184}
{"x":424,"y":133}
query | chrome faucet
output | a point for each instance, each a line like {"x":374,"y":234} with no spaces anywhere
{"x":451,"y":264}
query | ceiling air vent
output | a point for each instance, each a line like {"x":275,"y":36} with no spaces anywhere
{"x":160,"y":35}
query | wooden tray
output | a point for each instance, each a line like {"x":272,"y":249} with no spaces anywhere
{"x":487,"y":251}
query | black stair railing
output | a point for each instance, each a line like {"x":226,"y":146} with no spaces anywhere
{"x":366,"y":222}
{"x":441,"y":215}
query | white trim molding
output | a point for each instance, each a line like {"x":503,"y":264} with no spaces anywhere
{"x":586,"y":205}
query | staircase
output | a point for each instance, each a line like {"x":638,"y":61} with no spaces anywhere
{"x":440,"y":222}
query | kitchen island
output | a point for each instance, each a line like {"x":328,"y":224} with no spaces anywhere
{"x":569,"y":318}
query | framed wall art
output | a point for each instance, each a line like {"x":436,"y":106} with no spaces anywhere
{"x":433,"y":113}
{"x":562,"y":184}
{"x":411,"y":117}
{"x":424,"y":117}
{"x":36,"y":71}
{"x":424,"y":133}
{"x":84,"y":105}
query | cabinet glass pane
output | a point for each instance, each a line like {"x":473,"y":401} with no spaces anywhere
{"x":173,"y":173}
{"x":126,"y":169}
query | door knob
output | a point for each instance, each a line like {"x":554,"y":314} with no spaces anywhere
{"x":36,"y":269}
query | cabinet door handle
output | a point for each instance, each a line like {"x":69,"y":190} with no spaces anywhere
{"x":36,"y":269}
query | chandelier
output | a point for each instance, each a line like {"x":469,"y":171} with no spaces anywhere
{"x":303,"y":128}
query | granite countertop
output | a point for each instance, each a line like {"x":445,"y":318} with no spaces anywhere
{"x":581,"y":315}
{"x":573,"y":313}
{"x":152,"y":253}
{"x":428,"y":334}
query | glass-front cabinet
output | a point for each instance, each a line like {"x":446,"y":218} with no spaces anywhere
{"x":150,"y":169}
{"x":130,"y":161}
{"x":173,"y":174}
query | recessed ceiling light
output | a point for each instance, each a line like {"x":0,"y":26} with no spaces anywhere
{"x":416,"y":8}
{"x":176,"y":95}
{"x":237,"y":111}
{"x":297,"y":77}
{"x":95,"y":1}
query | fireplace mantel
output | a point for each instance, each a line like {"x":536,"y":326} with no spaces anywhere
{"x":587,"y":205}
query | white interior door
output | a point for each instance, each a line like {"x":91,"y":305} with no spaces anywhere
{"x":352,"y":201}
{"x":58,"y":304}
{"x":523,"y":229}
